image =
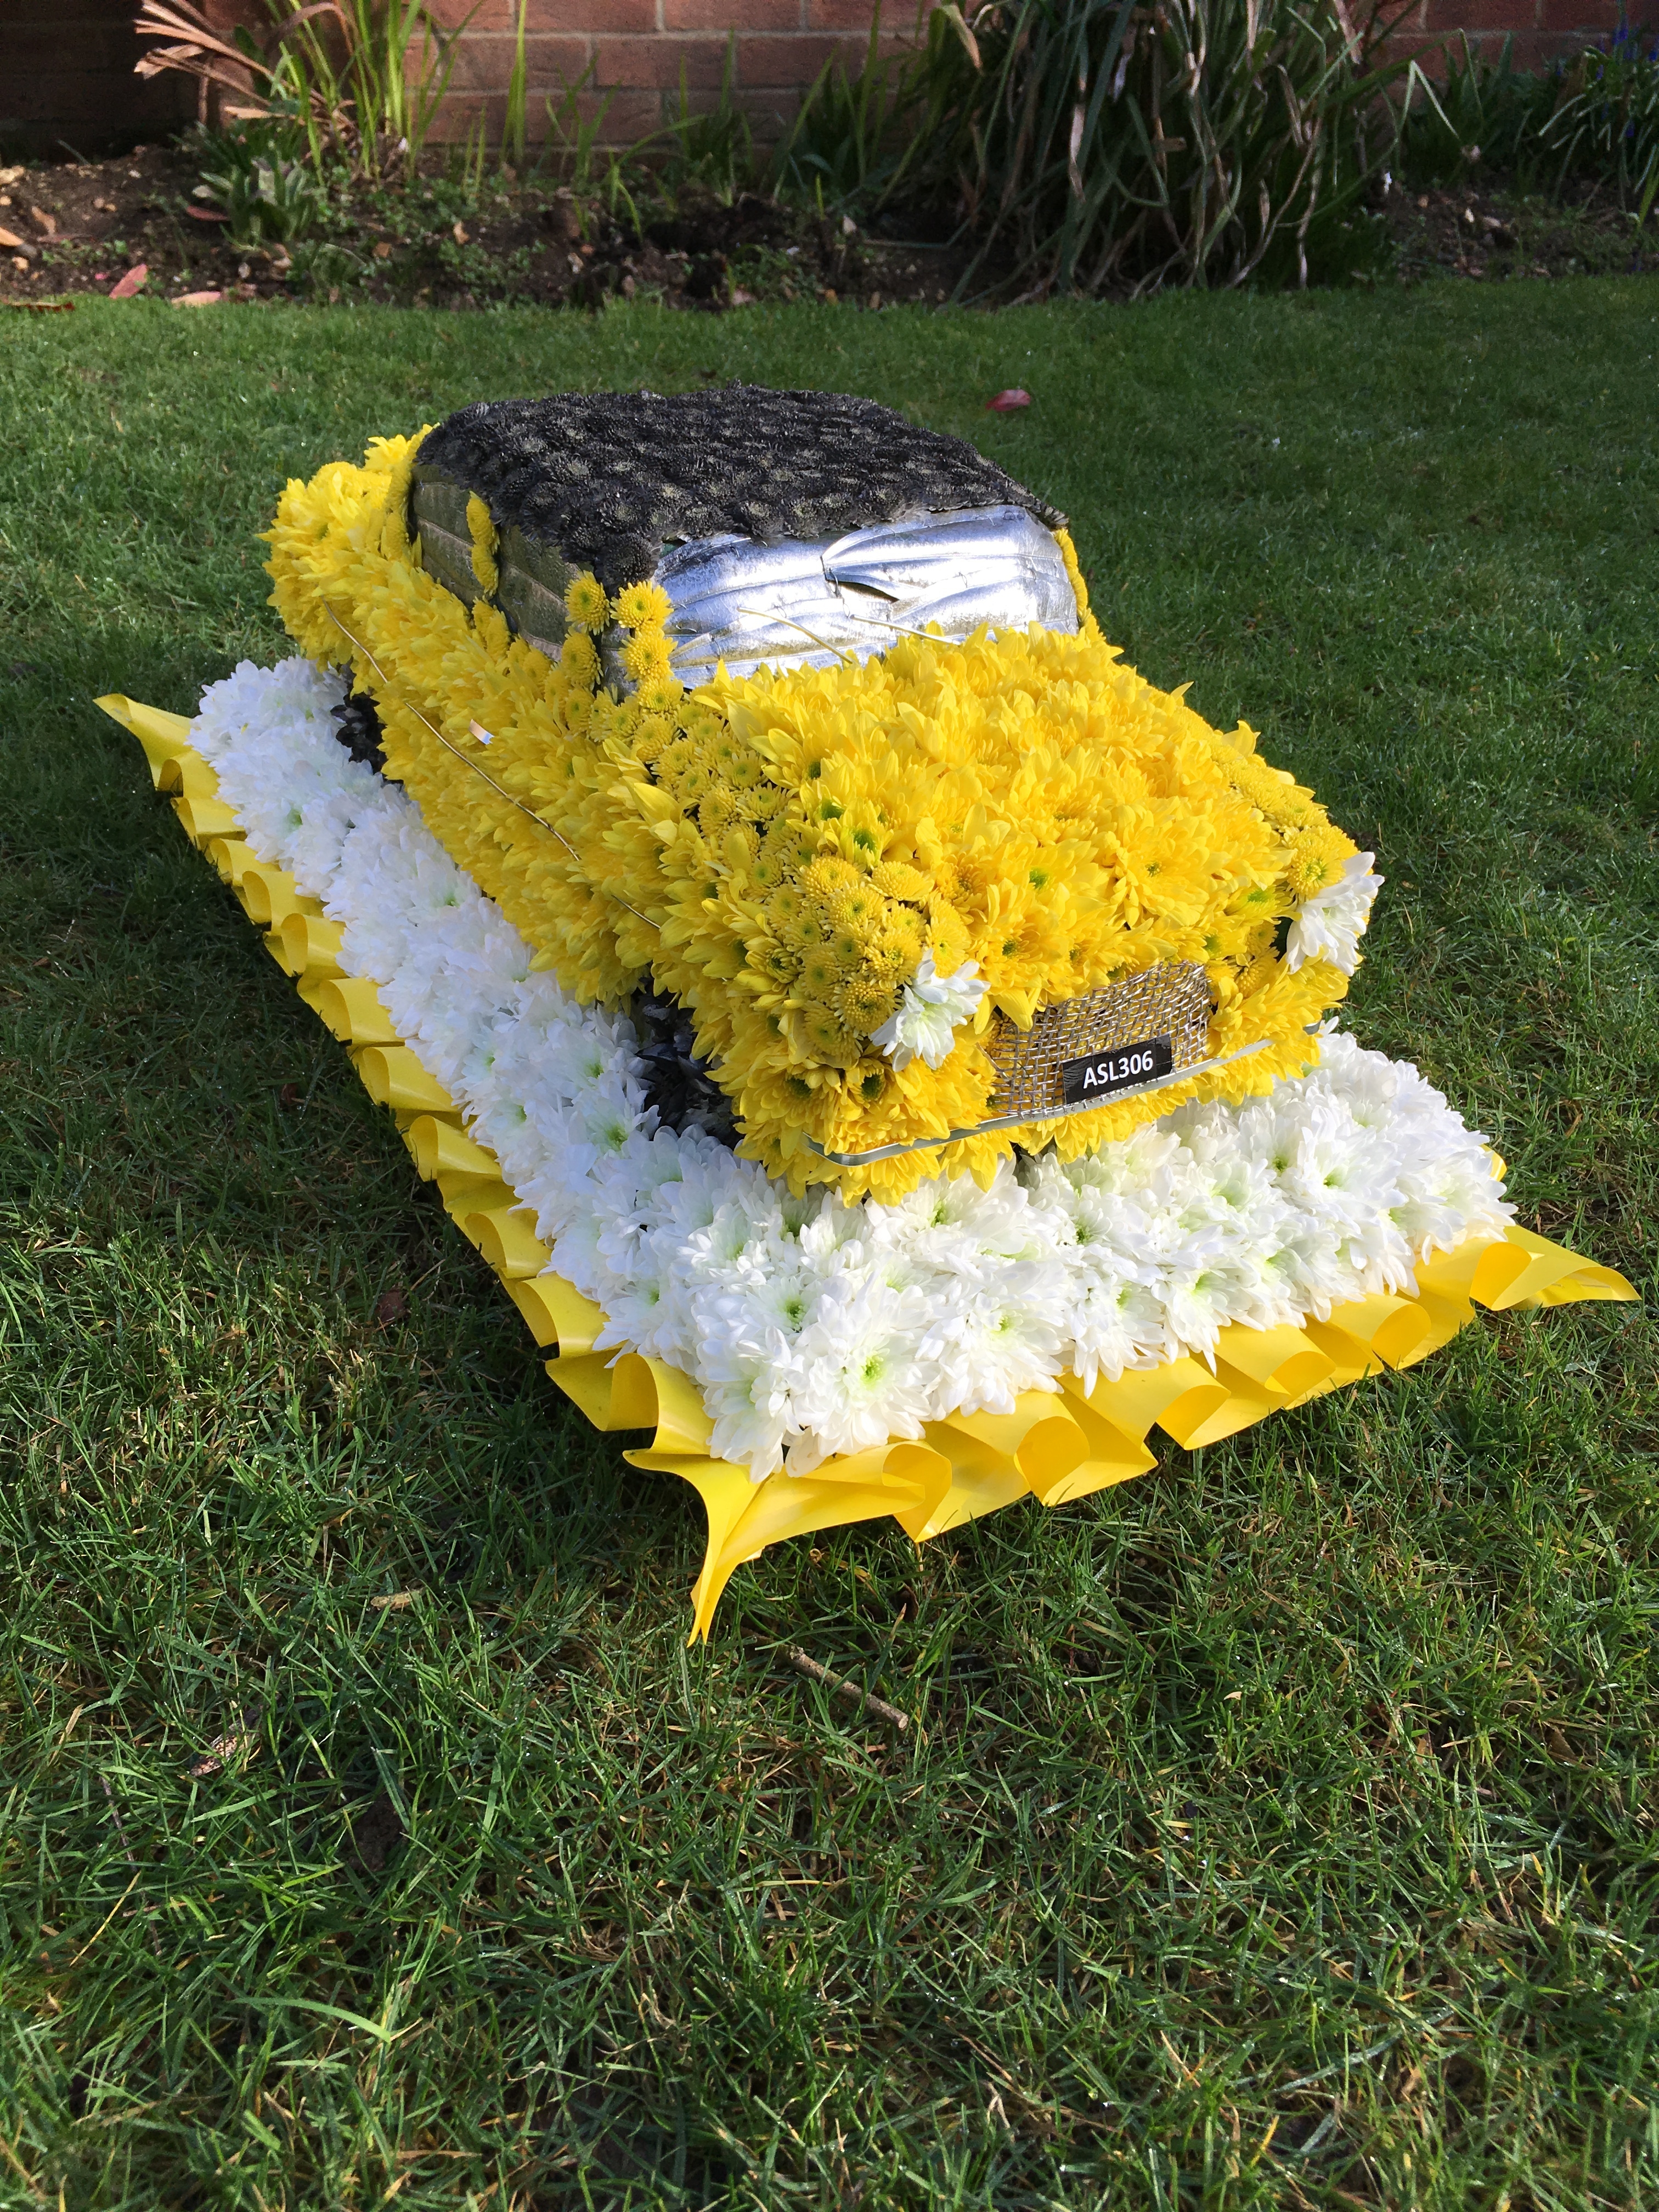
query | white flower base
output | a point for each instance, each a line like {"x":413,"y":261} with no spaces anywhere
{"x":809,"y":1326}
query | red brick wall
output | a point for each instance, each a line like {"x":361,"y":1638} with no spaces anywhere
{"x":638,"y":50}
{"x":65,"y":65}
{"x":1541,"y":29}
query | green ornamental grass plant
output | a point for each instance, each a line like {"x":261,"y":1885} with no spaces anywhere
{"x":1275,"y":1830}
{"x":1607,"y":122}
{"x":1479,"y":117}
{"x":1101,"y":146}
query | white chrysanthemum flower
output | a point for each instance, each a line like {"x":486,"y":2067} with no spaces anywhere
{"x":783,"y":1301}
{"x":831,"y":1229}
{"x":859,"y":1383}
{"x":1329,"y":924}
{"x":1116,"y":1323}
{"x":638,"y":1315}
{"x":1110,"y":1239}
{"x":1450,"y":1194}
{"x":999,"y":1345}
{"x":733,"y":1246}
{"x":748,"y":1396}
{"x":1141,"y":1164}
{"x":1307,"y":1266}
{"x":950,"y":1224}
{"x":1208,"y":1295}
{"x":930,"y":1009}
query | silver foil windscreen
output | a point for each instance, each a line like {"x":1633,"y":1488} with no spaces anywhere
{"x":786,"y":603}
{"x":798,"y":604}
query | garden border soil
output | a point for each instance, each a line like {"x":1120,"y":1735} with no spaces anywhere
{"x":72,"y":228}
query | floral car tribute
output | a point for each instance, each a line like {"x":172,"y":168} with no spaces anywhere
{"x":884,"y":1044}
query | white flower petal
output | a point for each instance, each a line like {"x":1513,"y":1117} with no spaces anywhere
{"x":1328,"y":925}
{"x":930,"y":1010}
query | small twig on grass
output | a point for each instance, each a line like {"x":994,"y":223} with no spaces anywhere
{"x":843,"y":1688}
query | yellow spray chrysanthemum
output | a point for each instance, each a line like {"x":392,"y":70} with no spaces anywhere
{"x":586,"y":605}
{"x":653,"y":735}
{"x":1317,"y":859}
{"x":645,"y":656}
{"x":863,"y":1003}
{"x":579,"y":661}
{"x":643,"y":607}
{"x":482,"y":530}
{"x":661,"y":695}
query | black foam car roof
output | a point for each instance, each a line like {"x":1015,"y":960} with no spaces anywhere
{"x":611,"y":477}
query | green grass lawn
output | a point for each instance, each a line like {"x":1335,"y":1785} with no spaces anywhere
{"x":1281,"y":1830}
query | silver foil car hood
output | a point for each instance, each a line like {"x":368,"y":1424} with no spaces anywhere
{"x":784,"y":603}
{"x":794,"y":604}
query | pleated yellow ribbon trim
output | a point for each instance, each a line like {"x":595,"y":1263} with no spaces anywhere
{"x":1056,"y":1446}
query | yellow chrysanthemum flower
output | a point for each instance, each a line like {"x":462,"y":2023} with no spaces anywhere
{"x":857,"y":911}
{"x":795,"y":845}
{"x":863,"y":1004}
{"x":764,"y":872}
{"x":644,"y":656}
{"x":643,"y":607}
{"x":579,"y":661}
{"x":819,"y":974}
{"x":613,"y":719}
{"x":829,"y":879}
{"x":897,"y":880}
{"x":482,"y":530}
{"x":585,"y":605}
{"x":827,"y":1038}
{"x":802,"y":929}
{"x":1316,"y":860}
{"x":661,"y":695}
{"x":779,"y":963}
{"x":653,"y":735}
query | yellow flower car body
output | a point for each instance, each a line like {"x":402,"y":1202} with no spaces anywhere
{"x":780,"y":851}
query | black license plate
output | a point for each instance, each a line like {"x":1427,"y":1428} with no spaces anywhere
{"x":1121,"y":1069}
